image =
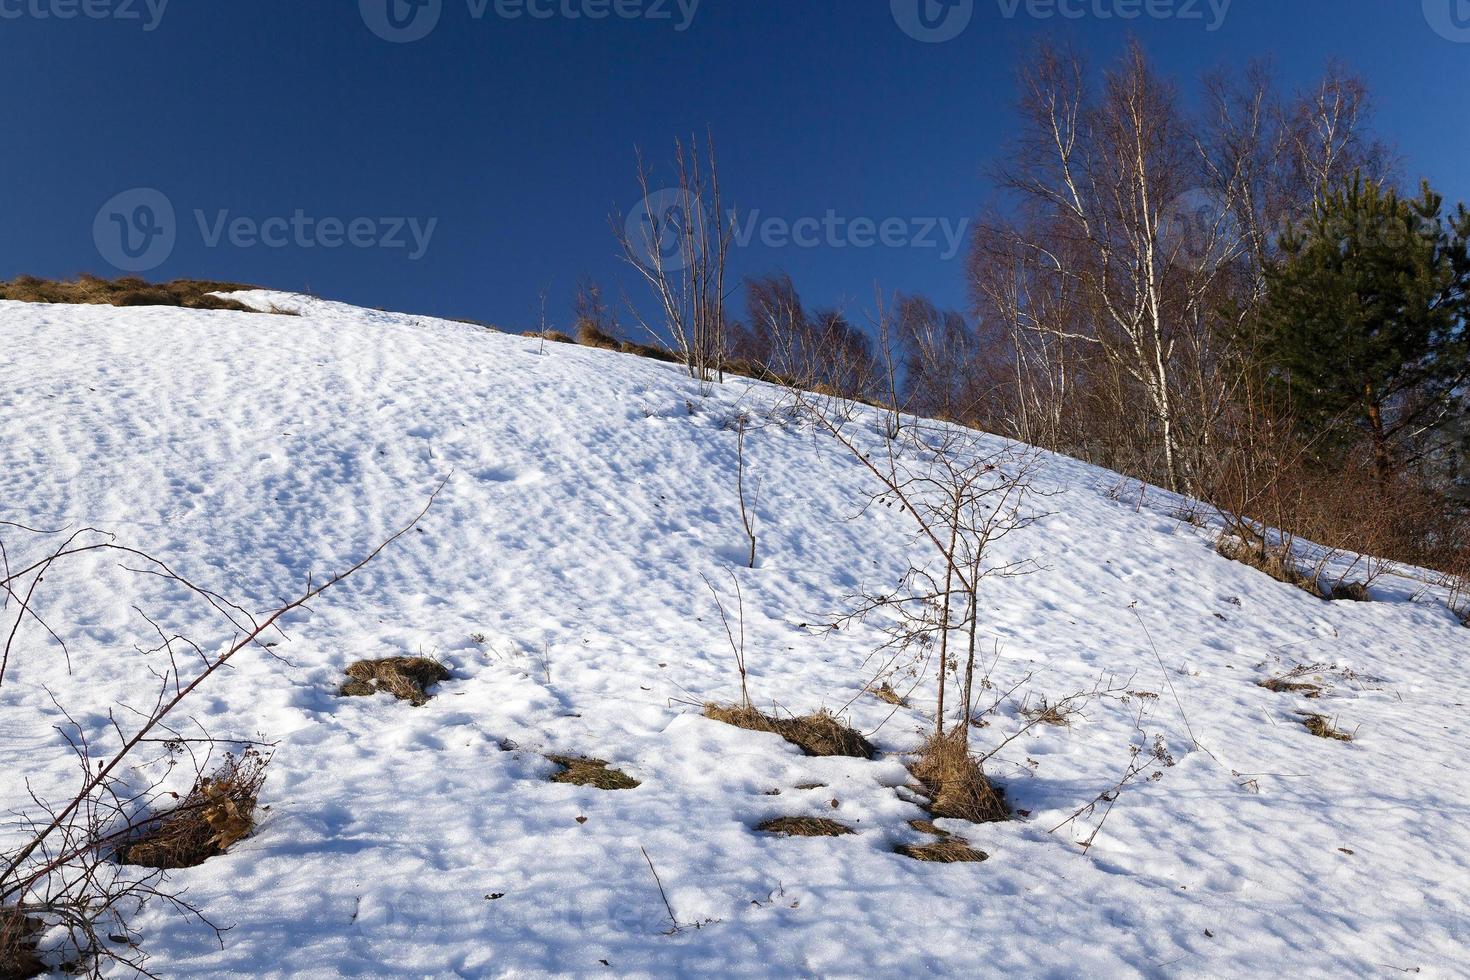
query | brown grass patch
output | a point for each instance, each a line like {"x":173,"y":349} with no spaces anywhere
{"x":819,"y":734}
{"x":555,"y":336}
{"x":589,"y":336}
{"x":1322,"y":727}
{"x":406,"y":678}
{"x":948,"y":850}
{"x":956,"y":784}
{"x":19,"y":937}
{"x":218,"y":812}
{"x":805,"y":827}
{"x":190,"y":294}
{"x":579,"y":771}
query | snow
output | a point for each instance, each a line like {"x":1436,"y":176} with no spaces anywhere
{"x":588,"y":494}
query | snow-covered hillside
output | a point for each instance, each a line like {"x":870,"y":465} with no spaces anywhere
{"x":559,"y":578}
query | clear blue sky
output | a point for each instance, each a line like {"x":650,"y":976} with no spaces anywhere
{"x":517,"y":135}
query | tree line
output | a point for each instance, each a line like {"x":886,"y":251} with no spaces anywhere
{"x":1223,"y":289}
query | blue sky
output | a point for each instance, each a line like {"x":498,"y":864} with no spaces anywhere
{"x":508,"y":139}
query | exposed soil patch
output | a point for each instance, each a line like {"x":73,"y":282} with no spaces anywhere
{"x":406,"y":678}
{"x":1351,"y":592}
{"x":805,"y":827}
{"x":579,"y":771}
{"x":1286,"y":685}
{"x":216,"y":814}
{"x":819,"y":734}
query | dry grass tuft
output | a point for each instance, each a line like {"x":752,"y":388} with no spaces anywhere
{"x":805,"y":827}
{"x":819,"y":734}
{"x":218,"y":813}
{"x":885,"y":692}
{"x":406,"y":678}
{"x":1322,"y":727}
{"x":956,"y":784}
{"x":190,"y":294}
{"x":578,"y":771}
{"x":19,"y":936}
{"x":1275,"y":562}
{"x":947,"y":850}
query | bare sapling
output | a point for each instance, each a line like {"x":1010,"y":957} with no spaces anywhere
{"x":735,"y":634}
{"x":963,"y":497}
{"x":748,"y":501}
{"x":679,"y":242}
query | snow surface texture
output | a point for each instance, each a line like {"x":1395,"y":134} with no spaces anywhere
{"x":590,"y":490}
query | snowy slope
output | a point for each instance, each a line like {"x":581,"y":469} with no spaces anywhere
{"x":590,"y":491}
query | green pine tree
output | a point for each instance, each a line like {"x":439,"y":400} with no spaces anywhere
{"x":1364,"y":325}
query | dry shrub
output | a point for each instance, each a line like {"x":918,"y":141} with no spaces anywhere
{"x":191,"y":294}
{"x":579,"y":771}
{"x":218,"y":813}
{"x":1322,"y":727}
{"x":804,"y":827}
{"x":1046,"y":713}
{"x":19,"y":937}
{"x":819,"y":734}
{"x":956,"y":785}
{"x":406,"y":678}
